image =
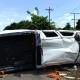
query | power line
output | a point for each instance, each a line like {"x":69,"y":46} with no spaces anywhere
{"x":49,"y":11}
{"x":74,"y":14}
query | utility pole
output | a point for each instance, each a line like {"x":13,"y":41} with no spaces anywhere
{"x":49,"y":11}
{"x":74,"y":14}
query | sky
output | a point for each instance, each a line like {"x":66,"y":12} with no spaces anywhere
{"x":15,"y":10}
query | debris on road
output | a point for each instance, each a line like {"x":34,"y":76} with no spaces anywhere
{"x":54,"y":75}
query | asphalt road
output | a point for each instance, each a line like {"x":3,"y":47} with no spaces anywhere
{"x":41,"y":74}
{"x":31,"y":75}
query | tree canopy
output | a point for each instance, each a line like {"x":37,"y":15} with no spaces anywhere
{"x":67,"y":27}
{"x":78,"y":25}
{"x":37,"y":22}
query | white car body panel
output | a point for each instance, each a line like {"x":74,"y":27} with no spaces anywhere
{"x":59,"y":50}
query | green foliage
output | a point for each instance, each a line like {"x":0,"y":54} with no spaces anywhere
{"x":59,"y":28}
{"x":67,"y":27}
{"x":78,"y":25}
{"x":12,"y":26}
{"x":37,"y":22}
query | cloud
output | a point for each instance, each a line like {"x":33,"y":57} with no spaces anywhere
{"x":34,"y":12}
{"x":61,"y":21}
{"x":9,"y":16}
{"x":28,"y":18}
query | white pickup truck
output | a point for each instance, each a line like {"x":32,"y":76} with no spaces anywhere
{"x":58,"y":47}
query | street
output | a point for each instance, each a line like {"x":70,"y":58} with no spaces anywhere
{"x":64,"y":72}
{"x":32,"y":75}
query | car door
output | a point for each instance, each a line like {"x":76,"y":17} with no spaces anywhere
{"x":51,"y":44}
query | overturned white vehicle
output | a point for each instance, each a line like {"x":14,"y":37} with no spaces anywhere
{"x":38,"y":48}
{"x":59,"y":47}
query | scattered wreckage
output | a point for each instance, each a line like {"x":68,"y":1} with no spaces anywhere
{"x":38,"y":48}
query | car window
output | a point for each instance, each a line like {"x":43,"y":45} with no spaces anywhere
{"x":50,"y":34}
{"x":67,"y":33}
